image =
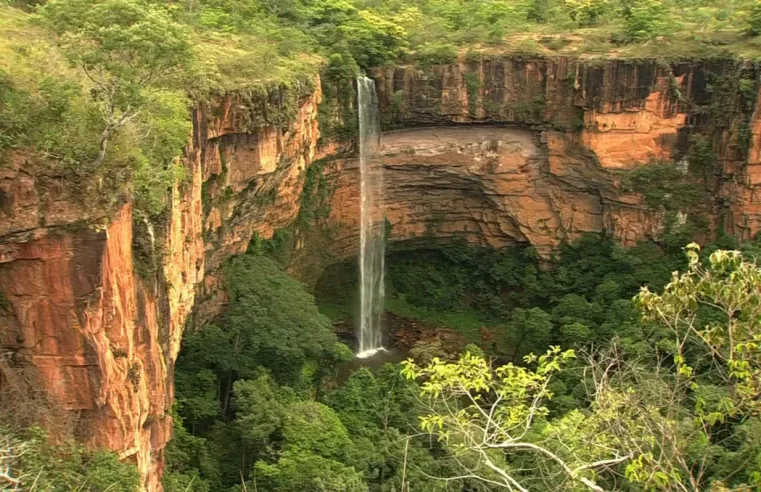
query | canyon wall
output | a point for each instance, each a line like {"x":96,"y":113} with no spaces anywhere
{"x":626,"y":112}
{"x":74,"y":309}
{"x":489,"y":185}
{"x":495,"y":150}
{"x":95,"y":300}
{"x":504,"y":150}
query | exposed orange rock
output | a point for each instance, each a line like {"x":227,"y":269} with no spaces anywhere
{"x":490,"y":186}
{"x":103,"y":340}
{"x":744,"y":190}
{"x":83,"y":319}
{"x":626,"y":112}
{"x":627,"y":138}
{"x":253,"y":181}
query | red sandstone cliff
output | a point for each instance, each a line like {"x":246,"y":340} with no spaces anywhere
{"x":103,"y":340}
{"x":74,"y":309}
{"x":625,"y":112}
{"x":544,"y":170}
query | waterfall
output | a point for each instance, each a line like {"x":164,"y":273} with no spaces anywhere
{"x":371,"y":233}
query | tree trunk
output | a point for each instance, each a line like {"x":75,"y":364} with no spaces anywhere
{"x":103,"y":146}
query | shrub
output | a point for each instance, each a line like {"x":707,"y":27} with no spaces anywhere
{"x":643,"y":19}
{"x":755,"y":18}
{"x":586,"y":12}
{"x":32,"y":461}
{"x":436,"y":53}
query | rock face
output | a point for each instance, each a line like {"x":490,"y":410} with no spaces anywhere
{"x":489,"y":185}
{"x":498,"y":151}
{"x":252,"y":180}
{"x":74,"y":309}
{"x":625,"y":112}
{"x":101,"y":339}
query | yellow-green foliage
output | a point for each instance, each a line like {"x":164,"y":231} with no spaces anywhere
{"x":43,"y":101}
{"x":29,"y":462}
{"x":681,"y":420}
{"x":717,"y":306}
{"x":48,"y":110}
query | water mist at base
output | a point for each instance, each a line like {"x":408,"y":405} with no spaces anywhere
{"x":372,"y":240}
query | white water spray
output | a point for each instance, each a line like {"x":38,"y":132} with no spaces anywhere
{"x":371,"y":233}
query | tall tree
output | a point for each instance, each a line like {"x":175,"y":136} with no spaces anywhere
{"x":126,"y":48}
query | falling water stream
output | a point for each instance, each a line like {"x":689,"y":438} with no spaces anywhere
{"x":371,"y":234}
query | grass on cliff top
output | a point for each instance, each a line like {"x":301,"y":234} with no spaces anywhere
{"x":224,"y":61}
{"x":683,"y":29}
{"x":26,"y":52}
{"x":232,"y":62}
{"x":597,"y":44}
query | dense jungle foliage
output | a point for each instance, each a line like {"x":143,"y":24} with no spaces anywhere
{"x":260,"y":406}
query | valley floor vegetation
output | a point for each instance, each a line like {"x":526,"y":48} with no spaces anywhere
{"x":578,"y":379}
{"x":607,"y":369}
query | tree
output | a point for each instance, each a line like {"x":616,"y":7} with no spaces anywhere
{"x":126,"y":48}
{"x":298,"y":471}
{"x":488,"y":419}
{"x":270,"y":321}
{"x":643,"y":19}
{"x":682,"y":410}
{"x":573,"y":308}
{"x":714,"y":313}
{"x":527,"y":330}
{"x":260,"y":407}
{"x":187,"y":459}
{"x":273,"y":321}
{"x":586,"y":12}
{"x":314,"y":427}
{"x":675,"y":434}
{"x":316,"y":448}
{"x":576,"y":333}
{"x":371,"y":39}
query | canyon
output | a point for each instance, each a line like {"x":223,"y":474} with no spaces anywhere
{"x":494,"y":150}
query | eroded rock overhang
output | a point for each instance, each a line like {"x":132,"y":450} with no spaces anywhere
{"x":490,"y":185}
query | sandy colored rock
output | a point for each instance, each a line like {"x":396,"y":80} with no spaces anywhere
{"x":92,"y":332}
{"x":490,"y":186}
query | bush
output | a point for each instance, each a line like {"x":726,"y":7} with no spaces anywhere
{"x":755,"y":18}
{"x":643,"y":19}
{"x":29,"y":458}
{"x":586,"y":12}
{"x":436,"y":53}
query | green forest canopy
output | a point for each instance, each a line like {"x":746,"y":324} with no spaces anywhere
{"x":657,"y":394}
{"x":629,"y":398}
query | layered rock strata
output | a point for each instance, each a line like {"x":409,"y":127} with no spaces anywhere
{"x":626,"y":112}
{"x":489,"y":185}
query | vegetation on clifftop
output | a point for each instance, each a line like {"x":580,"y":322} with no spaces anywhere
{"x":100,"y":90}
